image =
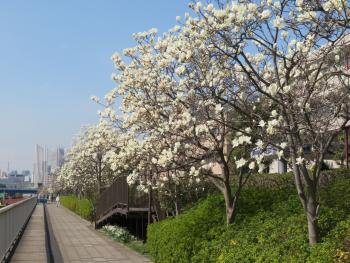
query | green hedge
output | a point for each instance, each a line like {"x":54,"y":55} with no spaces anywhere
{"x":270,"y":227}
{"x":82,"y":207}
{"x":287,"y":179}
{"x":181,"y":237}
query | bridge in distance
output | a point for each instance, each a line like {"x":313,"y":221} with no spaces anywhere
{"x":19,"y":190}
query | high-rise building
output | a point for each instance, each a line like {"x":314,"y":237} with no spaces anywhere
{"x":40,"y":165}
{"x":47,"y":161}
{"x":55,"y":161}
{"x":55,"y":158}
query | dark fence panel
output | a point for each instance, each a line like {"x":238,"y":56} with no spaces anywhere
{"x":115,"y":194}
{"x":120,"y":194}
{"x":137,"y":199}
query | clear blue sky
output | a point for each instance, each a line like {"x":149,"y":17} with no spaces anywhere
{"x":53,"y":56}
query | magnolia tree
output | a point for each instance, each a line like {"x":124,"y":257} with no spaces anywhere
{"x":288,"y":56}
{"x":230,"y":79}
{"x":137,"y":159}
{"x":179,"y":105}
{"x":73,"y":177}
{"x":57,"y":184}
{"x":86,"y":168}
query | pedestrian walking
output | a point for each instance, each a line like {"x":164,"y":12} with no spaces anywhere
{"x":58,"y":200}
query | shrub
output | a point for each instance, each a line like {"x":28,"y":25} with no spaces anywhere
{"x":177,"y":239}
{"x":82,"y":207}
{"x":270,"y":227}
{"x":118,"y":233}
{"x":287,"y":179}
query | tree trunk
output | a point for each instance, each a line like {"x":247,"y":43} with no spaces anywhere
{"x":308,"y":200}
{"x":230,"y":204}
{"x":176,"y":208}
{"x":99,"y":174}
{"x":230,"y":214}
{"x":223,"y":184}
{"x":311,"y":211}
{"x":99,"y":186}
{"x":175,"y":202}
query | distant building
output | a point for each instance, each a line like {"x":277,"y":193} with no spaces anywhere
{"x":26,"y":174}
{"x":55,"y":161}
{"x":47,"y":161}
{"x":55,"y":158}
{"x":13,"y":173}
{"x":3,"y":174}
{"x":40,"y":165}
{"x":13,"y":178}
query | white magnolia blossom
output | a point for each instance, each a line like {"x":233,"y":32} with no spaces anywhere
{"x":265,"y":14}
{"x":86,"y":165}
{"x":262,"y":123}
{"x":283,"y":145}
{"x":300,"y":160}
{"x":240,"y":163}
{"x":260,"y":144}
{"x":278,"y":22}
{"x":243,"y":139}
{"x":218,"y":108}
{"x":194,"y":172}
{"x":280,"y":154}
{"x":261,"y":167}
{"x":252,"y":165}
{"x":274,"y":113}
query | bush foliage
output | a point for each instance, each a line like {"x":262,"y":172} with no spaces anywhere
{"x":121,"y":234}
{"x":82,"y":207}
{"x":270,"y":227}
{"x":118,"y":233}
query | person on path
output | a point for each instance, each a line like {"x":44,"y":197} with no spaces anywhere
{"x":58,"y":200}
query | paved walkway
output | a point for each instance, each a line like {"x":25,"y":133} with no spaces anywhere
{"x":31,"y":247}
{"x":79,"y":242}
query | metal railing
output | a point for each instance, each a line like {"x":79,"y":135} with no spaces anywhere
{"x":120,"y":194}
{"x":13,"y":219}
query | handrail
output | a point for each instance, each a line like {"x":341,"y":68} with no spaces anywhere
{"x":13,"y":219}
{"x":12,"y":206}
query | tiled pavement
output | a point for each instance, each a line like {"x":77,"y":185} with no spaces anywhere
{"x":79,"y":242}
{"x":31,"y":247}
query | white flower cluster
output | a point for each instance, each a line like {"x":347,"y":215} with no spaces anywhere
{"x":243,"y":66}
{"x":243,"y":139}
